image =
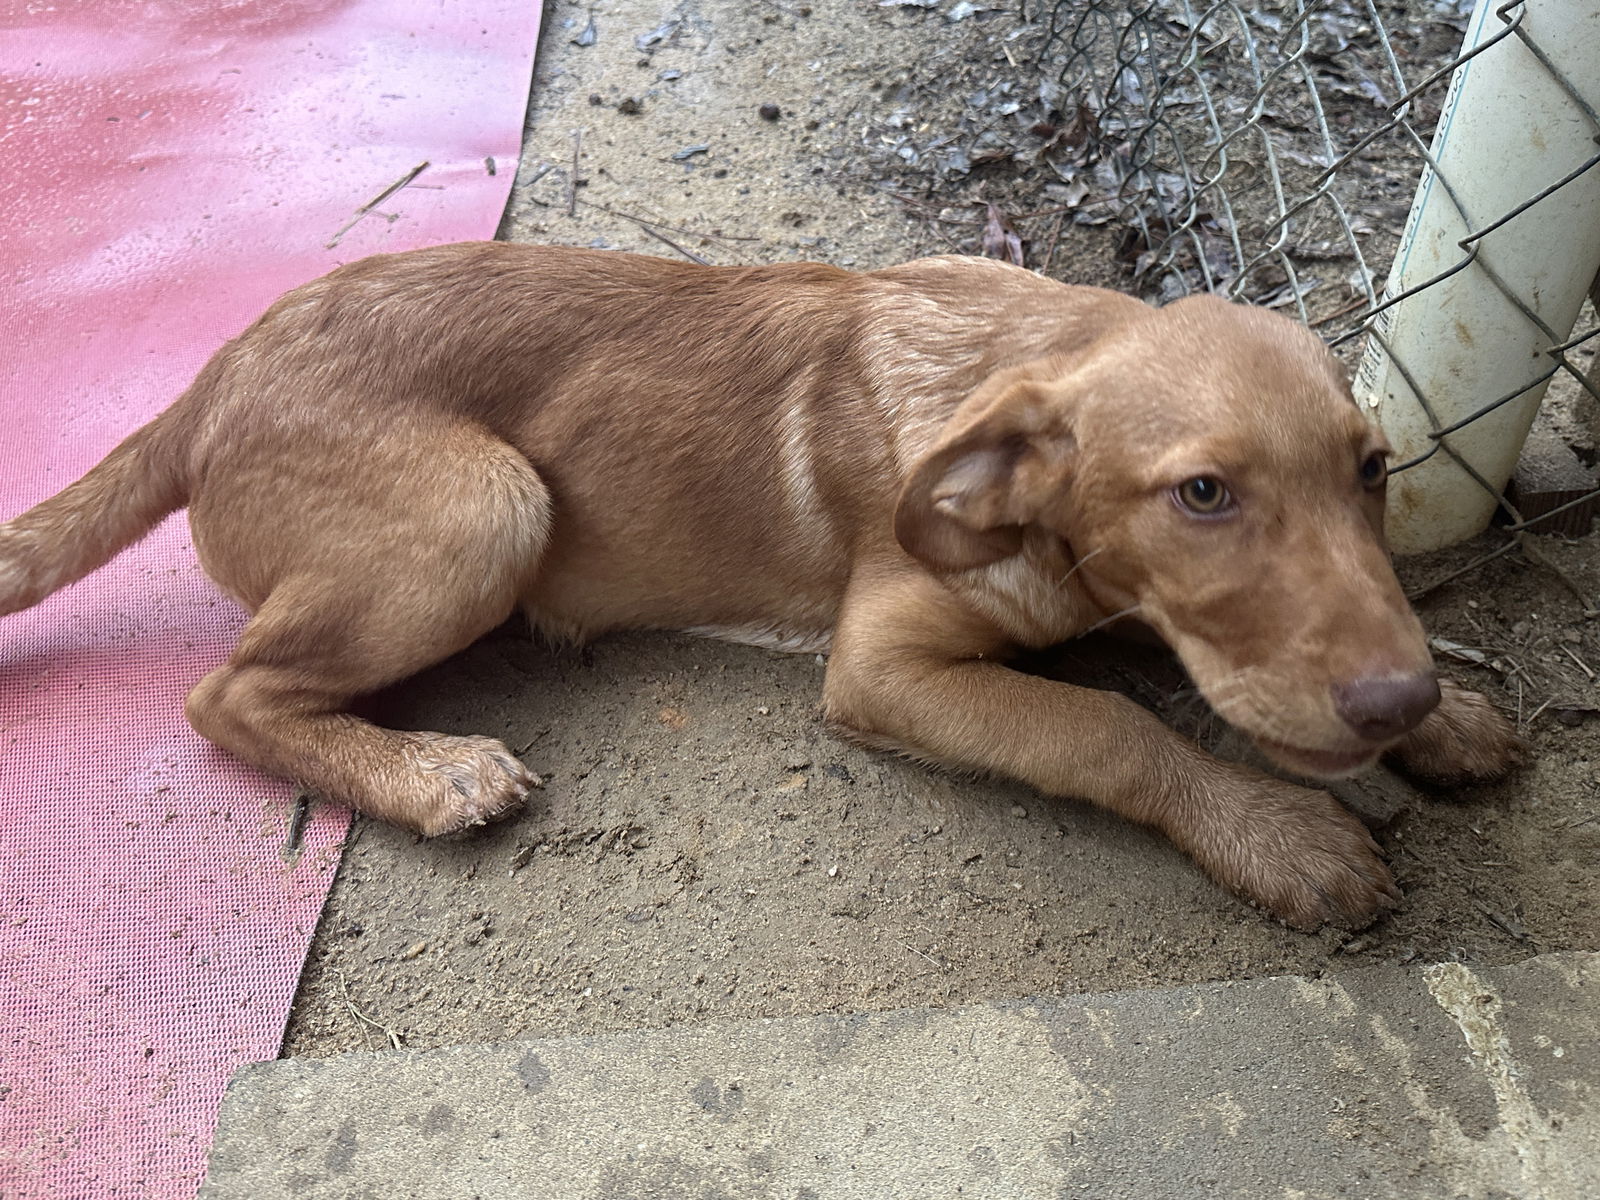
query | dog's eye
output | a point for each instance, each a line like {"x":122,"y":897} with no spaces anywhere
{"x":1204,"y":495}
{"x":1374,"y":470}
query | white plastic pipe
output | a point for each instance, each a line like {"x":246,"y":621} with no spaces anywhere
{"x":1507,"y":132}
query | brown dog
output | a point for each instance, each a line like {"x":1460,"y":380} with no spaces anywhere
{"x":923,"y":468}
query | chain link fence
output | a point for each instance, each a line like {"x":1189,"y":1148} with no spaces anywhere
{"x":1271,"y":152}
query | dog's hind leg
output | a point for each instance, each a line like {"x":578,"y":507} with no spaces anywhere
{"x":426,"y":551}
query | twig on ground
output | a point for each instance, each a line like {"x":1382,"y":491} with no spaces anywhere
{"x":537,"y":174}
{"x":394,"y":187}
{"x":1481,"y":560}
{"x":1359,"y":303}
{"x":929,"y":957}
{"x":394,"y":1038}
{"x":1503,"y":923}
{"x":933,"y":224}
{"x":572,"y":180}
{"x":299,"y":815}
{"x":665,"y":240}
{"x":1568,"y":651}
{"x":653,"y":223}
{"x":1536,"y":554}
{"x":1050,"y":250}
{"x":377,"y":200}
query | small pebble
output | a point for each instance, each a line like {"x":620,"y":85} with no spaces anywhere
{"x":769,"y":112}
{"x":415,"y":951}
{"x":1018,"y":811}
{"x":630,"y":106}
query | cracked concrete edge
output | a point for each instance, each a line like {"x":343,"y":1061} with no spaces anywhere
{"x":1448,"y":1082}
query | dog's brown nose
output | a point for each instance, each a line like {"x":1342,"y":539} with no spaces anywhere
{"x":1385,"y":706}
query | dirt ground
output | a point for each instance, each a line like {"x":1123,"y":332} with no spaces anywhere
{"x":702,"y":846}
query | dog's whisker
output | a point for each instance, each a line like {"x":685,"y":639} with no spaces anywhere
{"x":1224,"y":690}
{"x":1116,"y":616}
{"x":1237,"y":683}
{"x":1077,"y":566}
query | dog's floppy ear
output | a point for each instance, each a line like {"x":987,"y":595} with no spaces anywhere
{"x":1001,"y":459}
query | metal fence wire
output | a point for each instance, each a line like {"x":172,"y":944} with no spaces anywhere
{"x":1271,"y":151}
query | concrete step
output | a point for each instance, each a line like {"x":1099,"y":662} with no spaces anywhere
{"x":1444,"y":1082}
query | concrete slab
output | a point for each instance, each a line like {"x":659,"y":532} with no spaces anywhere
{"x":1447,"y":1082}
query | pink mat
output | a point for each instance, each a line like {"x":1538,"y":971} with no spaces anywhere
{"x":167,"y":170}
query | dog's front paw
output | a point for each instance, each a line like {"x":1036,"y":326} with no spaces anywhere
{"x":467,"y":781}
{"x":1464,"y":740}
{"x":1301,"y":855}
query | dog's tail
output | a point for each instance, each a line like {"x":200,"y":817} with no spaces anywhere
{"x":83,"y":527}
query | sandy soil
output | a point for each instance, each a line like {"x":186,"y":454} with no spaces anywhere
{"x":702,"y":845}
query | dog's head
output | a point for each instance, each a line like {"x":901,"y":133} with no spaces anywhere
{"x":1204,"y":469}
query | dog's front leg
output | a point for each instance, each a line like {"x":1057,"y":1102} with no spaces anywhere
{"x":914,"y":669}
{"x":1464,"y":740}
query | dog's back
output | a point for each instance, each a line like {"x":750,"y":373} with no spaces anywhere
{"x":717,"y":441}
